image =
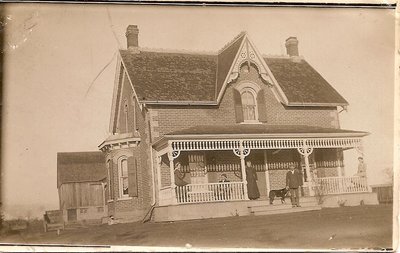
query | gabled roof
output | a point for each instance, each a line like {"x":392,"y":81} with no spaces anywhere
{"x":226,"y":57}
{"x":76,"y":167}
{"x":163,"y":76}
{"x":302,"y":84}
{"x":196,"y":78}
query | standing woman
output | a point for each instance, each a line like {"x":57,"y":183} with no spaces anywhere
{"x":251,"y":176}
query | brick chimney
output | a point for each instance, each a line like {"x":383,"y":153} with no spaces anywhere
{"x":132,"y":37}
{"x":292,"y":48}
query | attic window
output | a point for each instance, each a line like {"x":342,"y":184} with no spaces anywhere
{"x":249,"y":105}
{"x":249,"y":101}
{"x":126,"y":115}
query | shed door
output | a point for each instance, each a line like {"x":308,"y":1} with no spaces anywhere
{"x":72,"y":214}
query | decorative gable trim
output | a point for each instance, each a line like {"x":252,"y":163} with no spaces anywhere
{"x":248,"y":53}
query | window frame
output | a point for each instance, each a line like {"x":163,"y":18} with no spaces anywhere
{"x":250,"y":90}
{"x":121,"y":177}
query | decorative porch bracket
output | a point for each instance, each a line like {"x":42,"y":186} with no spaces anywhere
{"x":173,"y":154}
{"x":306,"y":152}
{"x":242,"y":152}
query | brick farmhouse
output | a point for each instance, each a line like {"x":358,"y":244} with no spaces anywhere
{"x":180,"y":119}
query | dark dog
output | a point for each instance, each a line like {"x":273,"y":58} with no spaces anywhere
{"x":282,"y":193}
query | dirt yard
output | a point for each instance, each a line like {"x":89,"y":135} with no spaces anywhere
{"x":344,"y":227}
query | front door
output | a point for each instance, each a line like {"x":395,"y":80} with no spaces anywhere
{"x":71,"y":215}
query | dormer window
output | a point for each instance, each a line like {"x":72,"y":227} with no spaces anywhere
{"x":249,"y":105}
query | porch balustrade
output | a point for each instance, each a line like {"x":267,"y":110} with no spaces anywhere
{"x":340,"y":185}
{"x":210,"y":192}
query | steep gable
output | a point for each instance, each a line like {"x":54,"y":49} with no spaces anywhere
{"x":189,"y":78}
{"x":225,"y":60}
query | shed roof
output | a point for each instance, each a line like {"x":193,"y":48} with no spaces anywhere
{"x":246,"y":129}
{"x":76,"y":167}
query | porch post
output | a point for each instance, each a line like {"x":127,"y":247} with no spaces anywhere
{"x":172,"y":174}
{"x":158,"y":170}
{"x":268,"y":184}
{"x":306,"y":151}
{"x":243,"y":166}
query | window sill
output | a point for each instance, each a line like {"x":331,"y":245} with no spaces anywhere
{"x":110,"y":200}
{"x":124,"y":198}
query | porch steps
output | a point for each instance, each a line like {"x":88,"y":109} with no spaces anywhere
{"x":264,"y":208}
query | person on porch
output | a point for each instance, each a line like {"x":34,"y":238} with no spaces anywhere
{"x":362,"y":168}
{"x":251,"y":176}
{"x":293,"y":182}
{"x":181,"y":193}
{"x":224,"y":192}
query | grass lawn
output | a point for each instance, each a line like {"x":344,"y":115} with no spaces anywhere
{"x":344,"y":227}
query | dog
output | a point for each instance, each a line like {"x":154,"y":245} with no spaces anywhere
{"x":282,"y":193}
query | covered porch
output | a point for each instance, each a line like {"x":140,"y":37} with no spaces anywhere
{"x":205,"y":153}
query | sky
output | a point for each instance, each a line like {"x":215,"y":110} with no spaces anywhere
{"x":54,"y":103}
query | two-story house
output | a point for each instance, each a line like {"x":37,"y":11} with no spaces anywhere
{"x":212,"y":112}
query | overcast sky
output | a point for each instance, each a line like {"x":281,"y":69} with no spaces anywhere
{"x":54,"y":52}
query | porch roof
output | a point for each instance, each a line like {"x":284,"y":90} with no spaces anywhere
{"x":251,"y":131}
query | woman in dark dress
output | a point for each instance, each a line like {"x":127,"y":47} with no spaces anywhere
{"x":251,"y":176}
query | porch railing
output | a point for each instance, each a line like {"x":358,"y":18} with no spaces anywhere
{"x":340,"y":185}
{"x":210,"y":192}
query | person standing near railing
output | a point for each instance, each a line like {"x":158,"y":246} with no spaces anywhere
{"x":224,"y":191}
{"x":179,"y":182}
{"x":362,"y":173}
{"x":251,"y":176}
{"x":362,"y":168}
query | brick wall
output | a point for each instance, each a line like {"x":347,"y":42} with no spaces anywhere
{"x":133,"y":208}
{"x":165,"y":119}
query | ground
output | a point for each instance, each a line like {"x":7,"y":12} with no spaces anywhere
{"x":343,"y":227}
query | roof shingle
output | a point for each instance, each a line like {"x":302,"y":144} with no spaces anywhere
{"x":193,"y":77}
{"x":160,"y":76}
{"x":75,"y":167}
{"x":301,"y":83}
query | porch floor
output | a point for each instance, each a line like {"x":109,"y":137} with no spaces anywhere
{"x":257,"y":207}
{"x":231,"y":208}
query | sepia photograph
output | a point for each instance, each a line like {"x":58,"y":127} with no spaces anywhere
{"x":167,"y":127}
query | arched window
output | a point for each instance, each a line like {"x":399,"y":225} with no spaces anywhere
{"x":123,"y":178}
{"x":249,"y":105}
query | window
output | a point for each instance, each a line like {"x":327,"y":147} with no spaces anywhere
{"x":249,"y":102}
{"x":249,"y":105}
{"x":110,"y":186}
{"x":123,"y":178}
{"x":126,"y":116}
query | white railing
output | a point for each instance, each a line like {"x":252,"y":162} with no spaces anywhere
{"x":210,"y":192}
{"x":339,"y":185}
{"x":281,"y":143}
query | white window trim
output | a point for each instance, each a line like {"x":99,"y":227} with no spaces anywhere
{"x":120,"y":178}
{"x":254,"y":93}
